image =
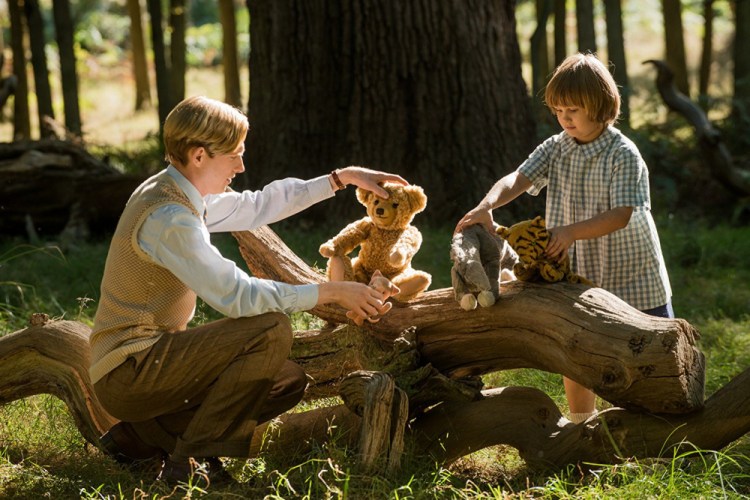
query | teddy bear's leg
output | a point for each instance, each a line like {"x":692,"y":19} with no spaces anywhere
{"x":411,"y":283}
{"x":339,"y":268}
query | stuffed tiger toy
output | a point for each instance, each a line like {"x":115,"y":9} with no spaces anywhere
{"x":529,"y":239}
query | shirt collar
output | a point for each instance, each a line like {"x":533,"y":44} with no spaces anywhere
{"x":590,"y":149}
{"x":187,"y":187}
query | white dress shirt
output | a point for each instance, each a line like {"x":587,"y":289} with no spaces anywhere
{"x":179,"y":241}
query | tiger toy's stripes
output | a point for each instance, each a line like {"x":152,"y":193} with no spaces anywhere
{"x":529,"y":239}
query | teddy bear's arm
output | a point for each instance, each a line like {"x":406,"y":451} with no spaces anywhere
{"x":348,"y":238}
{"x":407,"y":246}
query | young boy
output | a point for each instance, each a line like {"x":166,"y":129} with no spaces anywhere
{"x":199,"y":393}
{"x":598,"y":203}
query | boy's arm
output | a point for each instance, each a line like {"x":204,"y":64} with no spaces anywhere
{"x":503,"y":192}
{"x":562,"y":237}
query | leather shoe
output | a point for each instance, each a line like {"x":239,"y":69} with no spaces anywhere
{"x":123,"y":444}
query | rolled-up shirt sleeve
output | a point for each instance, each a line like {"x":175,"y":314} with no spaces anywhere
{"x":241,"y":211}
{"x":177,"y":240}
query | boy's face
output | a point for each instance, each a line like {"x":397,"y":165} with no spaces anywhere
{"x":577,"y":124}
{"x":215,"y":174}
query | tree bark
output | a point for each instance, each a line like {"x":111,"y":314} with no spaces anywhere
{"x":177,"y":50}
{"x":416,"y":88}
{"x":706,"y":53}
{"x":163,"y":85}
{"x":616,"y":50}
{"x":561,"y":47}
{"x":741,"y":60}
{"x":547,"y":327}
{"x":138,"y":49}
{"x":675,"y":44}
{"x":21,"y":122}
{"x":230,"y":56}
{"x":585,"y":26}
{"x":64,"y":30}
{"x":39,"y":65}
{"x":540,"y":69}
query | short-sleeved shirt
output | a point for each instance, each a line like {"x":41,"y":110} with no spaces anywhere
{"x":584,"y":180}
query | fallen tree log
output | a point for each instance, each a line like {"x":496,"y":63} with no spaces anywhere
{"x":49,"y":187}
{"x":651,"y":367}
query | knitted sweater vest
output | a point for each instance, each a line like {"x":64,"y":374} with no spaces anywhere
{"x":139,"y":300}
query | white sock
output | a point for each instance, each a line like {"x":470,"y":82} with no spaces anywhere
{"x":577,"y":418}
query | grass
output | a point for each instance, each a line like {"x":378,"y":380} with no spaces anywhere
{"x":42,"y":453}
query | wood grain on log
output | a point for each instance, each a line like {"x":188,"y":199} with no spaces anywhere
{"x":53,"y":358}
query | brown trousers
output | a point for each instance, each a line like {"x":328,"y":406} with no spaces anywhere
{"x":201,"y":392}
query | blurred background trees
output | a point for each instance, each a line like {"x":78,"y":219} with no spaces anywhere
{"x":446,"y":93}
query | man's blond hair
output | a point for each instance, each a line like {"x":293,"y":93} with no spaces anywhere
{"x":582,"y":80}
{"x":202,"y":122}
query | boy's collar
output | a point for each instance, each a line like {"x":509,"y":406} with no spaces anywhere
{"x":590,"y":149}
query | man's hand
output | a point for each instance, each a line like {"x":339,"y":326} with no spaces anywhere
{"x":369,"y":179}
{"x":382,"y":285}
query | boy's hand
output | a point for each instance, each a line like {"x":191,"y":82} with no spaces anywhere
{"x":560,"y":240}
{"x":478,"y":215}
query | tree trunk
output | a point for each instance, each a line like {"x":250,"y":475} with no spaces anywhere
{"x":417,"y":89}
{"x":585,"y":25}
{"x":21,"y":122}
{"x":561,"y":48}
{"x":64,"y":30}
{"x":675,"y":44}
{"x":177,"y":50}
{"x":230,"y":56}
{"x":706,"y":54}
{"x":712,"y":148}
{"x":616,"y":50}
{"x":741,"y":61}
{"x":163,"y":85}
{"x":540,"y":59}
{"x":39,"y":65}
{"x":551,"y":327}
{"x":138,"y":49}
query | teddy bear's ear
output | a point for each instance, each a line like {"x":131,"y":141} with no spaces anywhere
{"x":417,"y":198}
{"x":502,"y":231}
{"x":363,"y":196}
{"x":538,"y":221}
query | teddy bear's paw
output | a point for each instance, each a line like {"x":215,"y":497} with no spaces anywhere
{"x":486,"y":298}
{"x":326,"y":250}
{"x":468,"y":302}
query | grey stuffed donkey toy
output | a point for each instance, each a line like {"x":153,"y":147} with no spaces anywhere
{"x":480,"y":261}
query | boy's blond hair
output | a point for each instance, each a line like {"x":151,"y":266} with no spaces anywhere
{"x":582,"y":80}
{"x":202,"y":122}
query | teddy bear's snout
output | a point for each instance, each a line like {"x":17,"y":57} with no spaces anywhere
{"x":379,"y":211}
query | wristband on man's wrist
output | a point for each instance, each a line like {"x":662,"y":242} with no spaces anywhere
{"x":337,"y":180}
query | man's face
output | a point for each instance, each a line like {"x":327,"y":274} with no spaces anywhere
{"x":218,"y":172}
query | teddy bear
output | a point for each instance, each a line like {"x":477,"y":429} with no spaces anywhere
{"x":481,"y":260}
{"x":529,"y":239}
{"x":386,"y":239}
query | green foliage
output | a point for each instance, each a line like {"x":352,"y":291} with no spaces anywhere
{"x":42,"y":453}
